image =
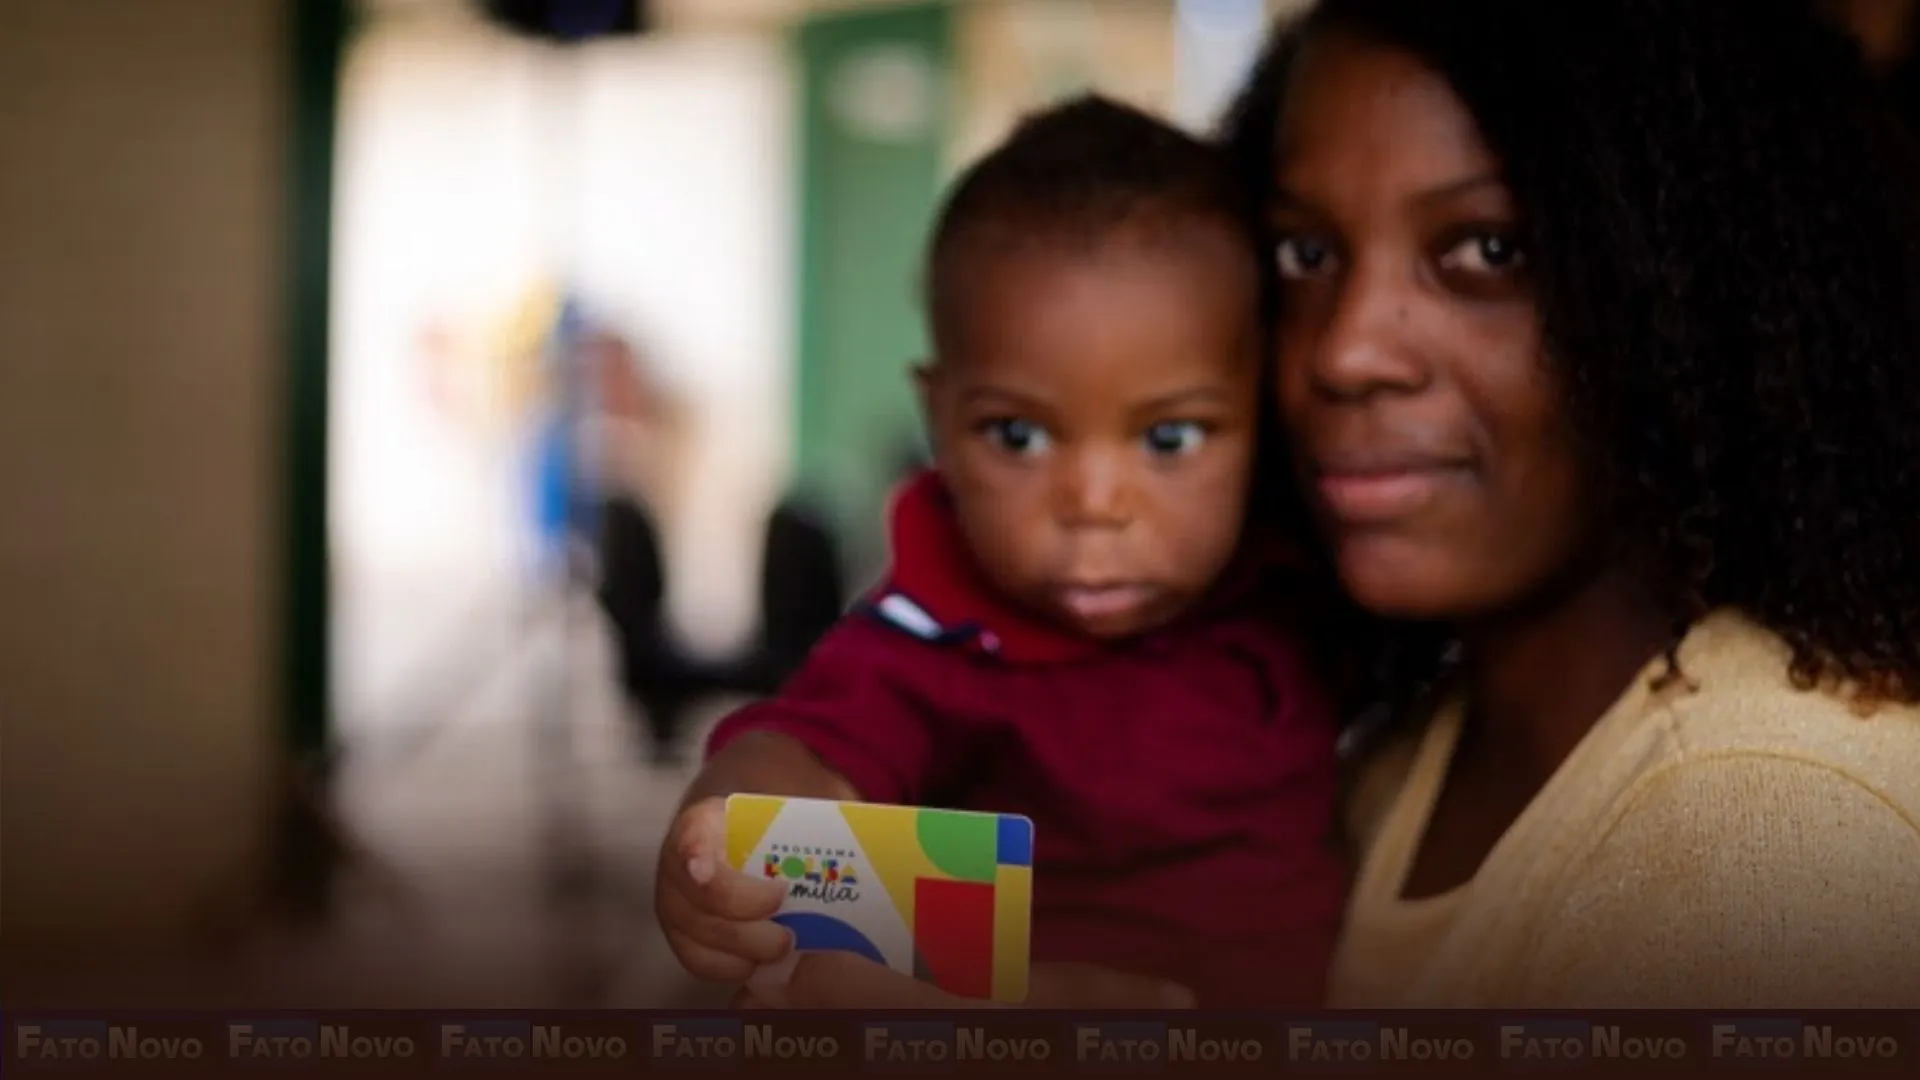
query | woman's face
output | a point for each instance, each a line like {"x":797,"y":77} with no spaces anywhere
{"x":1427,"y":427}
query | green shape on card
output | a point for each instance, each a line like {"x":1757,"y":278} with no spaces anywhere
{"x":963,"y":846}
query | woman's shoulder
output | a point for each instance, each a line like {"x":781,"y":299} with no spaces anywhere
{"x":1735,"y":701}
{"x":1766,"y":835}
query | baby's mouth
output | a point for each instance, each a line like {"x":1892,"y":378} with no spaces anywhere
{"x":1102,"y":602}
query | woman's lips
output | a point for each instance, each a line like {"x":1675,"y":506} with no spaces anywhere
{"x":1376,"y":496}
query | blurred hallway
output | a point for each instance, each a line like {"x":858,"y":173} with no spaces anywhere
{"x":512,"y":841}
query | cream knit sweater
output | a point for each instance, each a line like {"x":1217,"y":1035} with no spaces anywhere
{"x":1733,"y":844}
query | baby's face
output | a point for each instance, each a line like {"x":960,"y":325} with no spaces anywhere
{"x":1093,"y":413}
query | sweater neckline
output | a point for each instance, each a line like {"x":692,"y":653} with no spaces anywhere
{"x":1385,"y":869}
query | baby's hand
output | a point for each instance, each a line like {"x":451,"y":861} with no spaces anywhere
{"x":716,"y":918}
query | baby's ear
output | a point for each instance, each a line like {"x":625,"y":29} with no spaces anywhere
{"x":926,"y":379}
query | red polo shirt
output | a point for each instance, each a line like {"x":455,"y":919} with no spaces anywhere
{"x":1182,"y":786}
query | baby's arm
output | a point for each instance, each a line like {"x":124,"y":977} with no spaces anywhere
{"x":850,"y":725}
{"x":767,"y":763}
{"x":859,"y":720}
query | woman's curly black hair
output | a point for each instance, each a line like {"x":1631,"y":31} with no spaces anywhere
{"x":1723,"y":219}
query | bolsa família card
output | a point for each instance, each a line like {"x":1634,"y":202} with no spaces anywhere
{"x":943,"y":895}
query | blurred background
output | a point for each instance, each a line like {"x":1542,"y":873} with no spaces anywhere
{"x":426,"y":417}
{"x":421,"y":418}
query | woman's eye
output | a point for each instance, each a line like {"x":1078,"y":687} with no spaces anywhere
{"x":1485,"y":253}
{"x":1300,"y":257}
{"x":1016,"y":436}
{"x":1175,"y":438}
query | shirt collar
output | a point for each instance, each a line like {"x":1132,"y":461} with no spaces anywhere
{"x":950,"y":599}
{"x":934,"y":570}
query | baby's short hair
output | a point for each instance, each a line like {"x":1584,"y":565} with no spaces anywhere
{"x":1074,"y":176}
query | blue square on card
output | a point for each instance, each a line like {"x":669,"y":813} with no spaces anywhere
{"x":1015,"y":845}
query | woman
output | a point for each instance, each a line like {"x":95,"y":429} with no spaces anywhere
{"x":1599,"y":351}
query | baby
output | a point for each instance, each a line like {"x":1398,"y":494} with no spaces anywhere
{"x":1078,"y":624}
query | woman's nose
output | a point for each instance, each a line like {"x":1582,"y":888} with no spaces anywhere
{"x":1366,"y":345}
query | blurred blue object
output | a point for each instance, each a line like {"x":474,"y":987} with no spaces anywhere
{"x":566,"y":495}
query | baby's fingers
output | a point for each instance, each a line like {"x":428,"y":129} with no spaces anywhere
{"x":726,"y":893}
{"x":709,"y":965}
{"x":756,"y":941}
{"x":759,"y":942}
{"x":694,"y":864}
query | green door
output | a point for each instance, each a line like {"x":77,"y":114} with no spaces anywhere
{"x":874,"y":134}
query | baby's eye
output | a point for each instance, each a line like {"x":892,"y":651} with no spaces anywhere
{"x":1016,"y":436}
{"x":1174,"y":438}
{"x":1300,"y":256}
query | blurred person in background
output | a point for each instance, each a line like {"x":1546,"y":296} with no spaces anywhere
{"x":522,"y":382}
{"x":604,"y":449}
{"x":640,"y":435}
{"x":641,"y":439}
{"x":1598,"y":347}
{"x":643,"y":425}
{"x":566,"y":487}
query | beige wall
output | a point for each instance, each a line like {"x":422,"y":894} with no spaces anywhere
{"x":1012,"y":57}
{"x":141,"y":211}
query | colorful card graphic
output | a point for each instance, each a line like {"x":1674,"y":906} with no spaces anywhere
{"x":942,"y":895}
